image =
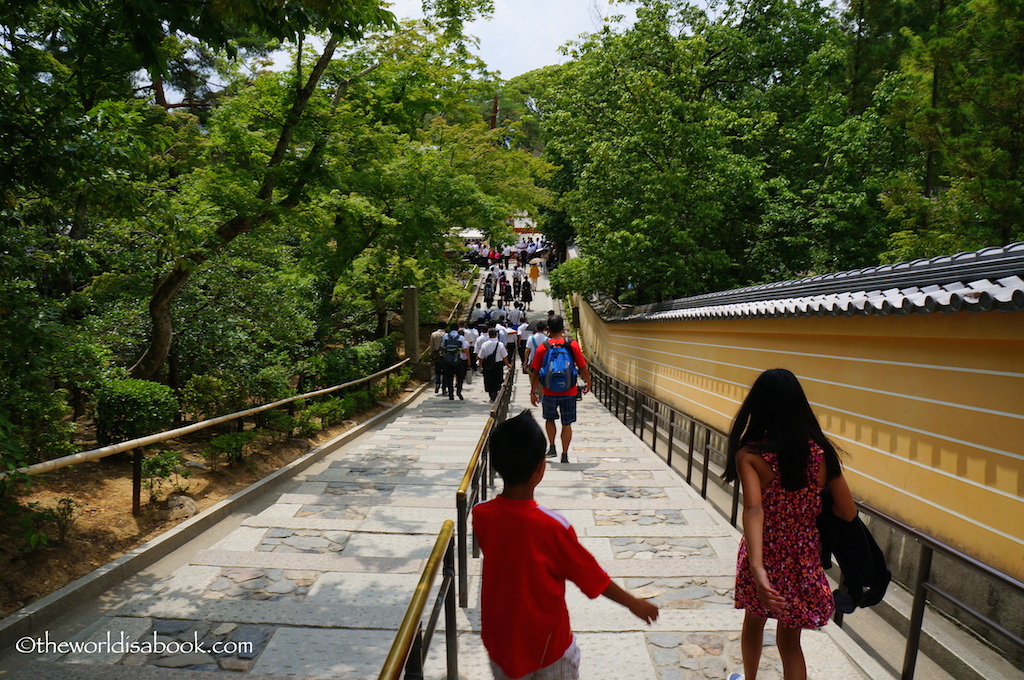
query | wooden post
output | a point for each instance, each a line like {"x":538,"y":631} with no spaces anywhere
{"x":137,"y":482}
{"x":411,"y":322}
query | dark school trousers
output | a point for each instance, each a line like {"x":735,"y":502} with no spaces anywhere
{"x":493,"y":378}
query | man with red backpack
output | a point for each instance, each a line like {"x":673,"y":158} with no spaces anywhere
{"x":554,"y":368}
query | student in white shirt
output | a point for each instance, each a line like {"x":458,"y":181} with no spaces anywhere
{"x":524,"y":337}
{"x":535,"y":341}
{"x":493,"y":357}
{"x":471,"y":334}
{"x":512,"y":341}
{"x":515,"y":315}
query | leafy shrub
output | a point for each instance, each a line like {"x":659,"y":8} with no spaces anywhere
{"x":396,"y":381}
{"x":306,"y":425}
{"x":332,"y":411}
{"x":161,"y":468}
{"x":351,"y":363}
{"x":64,"y":515}
{"x":31,"y":522}
{"x":127,"y":409}
{"x":230,"y":446}
{"x":279,"y":422}
{"x":270,"y":384}
{"x":214,"y":394}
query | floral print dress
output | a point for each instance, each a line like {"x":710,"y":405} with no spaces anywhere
{"x":792,"y":550}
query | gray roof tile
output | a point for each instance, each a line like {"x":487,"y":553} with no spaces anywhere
{"x":979,"y":281}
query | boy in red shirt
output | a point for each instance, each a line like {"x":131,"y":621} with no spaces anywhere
{"x":529,"y":553}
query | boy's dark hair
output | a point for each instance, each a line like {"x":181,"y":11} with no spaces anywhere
{"x":556,"y":324}
{"x":517,"y":447}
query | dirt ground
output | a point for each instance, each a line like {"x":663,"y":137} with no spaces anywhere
{"x":106,"y":528}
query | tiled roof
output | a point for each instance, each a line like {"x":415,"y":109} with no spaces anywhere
{"x":980,"y":281}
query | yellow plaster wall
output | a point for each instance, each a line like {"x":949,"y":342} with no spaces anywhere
{"x":929,"y":409}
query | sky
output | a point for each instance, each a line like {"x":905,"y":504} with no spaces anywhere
{"x":524,"y":35}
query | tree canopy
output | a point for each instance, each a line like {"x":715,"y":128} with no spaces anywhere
{"x":177,"y":206}
{"x":745,"y":142}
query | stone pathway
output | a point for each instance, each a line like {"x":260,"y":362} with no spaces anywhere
{"x":657,"y":538}
{"x":315,"y":584}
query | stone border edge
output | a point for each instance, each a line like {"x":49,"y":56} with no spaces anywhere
{"x":31,"y":619}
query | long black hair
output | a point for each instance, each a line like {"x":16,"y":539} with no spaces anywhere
{"x":777,"y":413}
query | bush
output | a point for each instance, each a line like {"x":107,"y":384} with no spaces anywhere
{"x":306,"y":425}
{"x":279,"y":422}
{"x":214,"y":394}
{"x":131,"y":408}
{"x":270,"y":384}
{"x":161,"y":468}
{"x":351,"y":363}
{"x":64,"y":515}
{"x":230,"y":446}
{"x":396,"y":381}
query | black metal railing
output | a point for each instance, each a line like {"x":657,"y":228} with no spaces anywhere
{"x":674,"y":433}
{"x":412,"y":643}
{"x":475,"y":482}
{"x":678,"y":434}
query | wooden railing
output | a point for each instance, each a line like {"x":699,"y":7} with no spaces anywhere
{"x":138,"y":444}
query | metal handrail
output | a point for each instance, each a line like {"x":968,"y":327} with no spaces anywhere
{"x":614,"y":392}
{"x":409,"y":650}
{"x":478,"y":477}
{"x":103,"y":452}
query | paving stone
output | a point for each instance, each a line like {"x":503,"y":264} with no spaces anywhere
{"x":666,"y":640}
{"x":319,"y":580}
{"x":185,"y":660}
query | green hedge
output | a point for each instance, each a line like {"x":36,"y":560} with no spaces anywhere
{"x":345,"y":364}
{"x":127,"y":409}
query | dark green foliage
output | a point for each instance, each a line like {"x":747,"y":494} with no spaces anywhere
{"x":129,"y":408}
{"x":345,"y":364}
{"x":214,"y":394}
{"x":230,"y":447}
{"x":769,"y":140}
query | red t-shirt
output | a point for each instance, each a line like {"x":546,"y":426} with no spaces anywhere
{"x":577,"y":355}
{"x":529,"y":553}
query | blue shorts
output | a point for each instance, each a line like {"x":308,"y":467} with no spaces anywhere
{"x":552,"y":405}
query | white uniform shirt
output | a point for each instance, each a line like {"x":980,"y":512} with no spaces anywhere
{"x":480,"y":342}
{"x":535,"y":341}
{"x":493,"y":346}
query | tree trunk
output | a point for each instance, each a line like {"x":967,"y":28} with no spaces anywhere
{"x":162,"y":327}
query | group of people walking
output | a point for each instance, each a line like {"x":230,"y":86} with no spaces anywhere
{"x":777,"y":452}
{"x":519,"y":285}
{"x":526,"y":249}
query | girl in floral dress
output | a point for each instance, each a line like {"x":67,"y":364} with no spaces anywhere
{"x":782,"y":460}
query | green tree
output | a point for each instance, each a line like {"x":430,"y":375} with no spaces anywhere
{"x":965,"y":111}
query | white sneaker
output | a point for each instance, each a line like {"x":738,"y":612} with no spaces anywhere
{"x":736,"y":676}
